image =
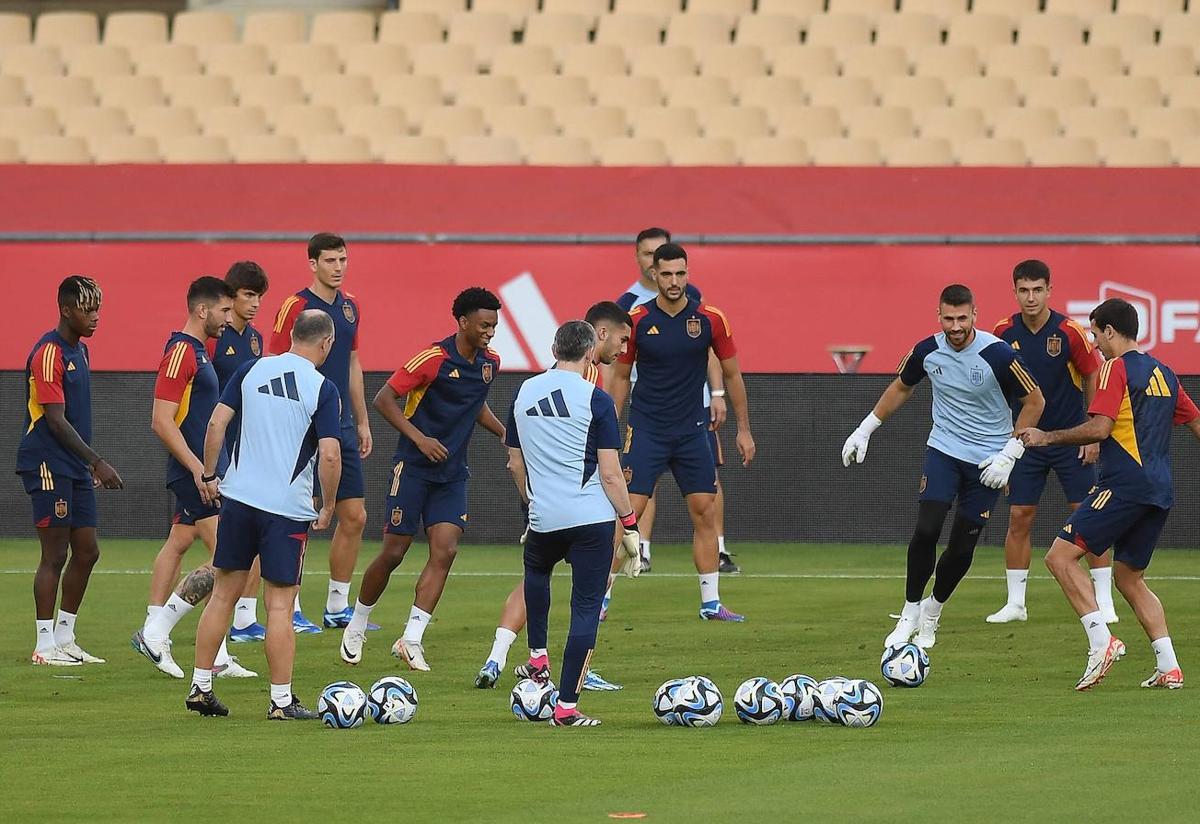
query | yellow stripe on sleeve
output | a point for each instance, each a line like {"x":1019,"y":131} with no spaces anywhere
{"x":421,"y":357}
{"x":721,"y":315}
{"x":281,"y":318}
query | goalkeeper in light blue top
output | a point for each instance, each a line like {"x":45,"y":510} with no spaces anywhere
{"x":970,"y":454}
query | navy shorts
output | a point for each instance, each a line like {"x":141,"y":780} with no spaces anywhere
{"x":689,"y":457}
{"x":351,"y":485}
{"x":1028,"y":478}
{"x":245,"y":533}
{"x":189,"y":506}
{"x":1104,"y":520}
{"x":413,"y":500}
{"x":59,"y":501}
{"x":944,"y":479}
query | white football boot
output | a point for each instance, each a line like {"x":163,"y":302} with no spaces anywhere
{"x":75,"y":651}
{"x":54,"y":657}
{"x":1008,"y":613}
{"x":927,"y":633}
{"x":1100,"y":662}
{"x":411,"y":653}
{"x":233,"y":669}
{"x":352,"y":645}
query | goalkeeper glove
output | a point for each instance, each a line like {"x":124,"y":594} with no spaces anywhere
{"x":631,"y":547}
{"x":998,"y":467}
{"x":855,"y":447}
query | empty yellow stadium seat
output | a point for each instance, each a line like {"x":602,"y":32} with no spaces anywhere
{"x":1134,"y":151}
{"x":123,"y":149}
{"x":265,"y":148}
{"x":1097,"y":122}
{"x":593,"y":122}
{"x":629,"y":30}
{"x":593,"y":60}
{"x":807,"y":122}
{"x":30,"y":61}
{"x":557,"y":30}
{"x":1062,"y":151}
{"x":839,"y":30}
{"x":769,"y":29}
{"x":476,"y":150}
{"x":66,"y":28}
{"x":233,"y":121}
{"x":911,"y":31}
{"x":135,"y":28}
{"x":955,"y":123}
{"x":769,"y":92}
{"x":627,"y":91}
{"x":918,"y":151}
{"x":845,"y":92}
{"x":131,"y":92}
{"x":98,"y":61}
{"x":86,"y":121}
{"x":631,"y":151}
{"x":161,"y":122}
{"x":335,"y":148}
{"x":339,"y":89}
{"x":1024,"y":122}
{"x":845,"y":151}
{"x":421,"y":150}
{"x":520,"y":122}
{"x":560,"y":90}
{"x":487,"y":90}
{"x":699,"y":92}
{"x":1167,"y":123}
{"x":664,"y":122}
{"x":29,"y":121}
{"x":525,"y":59}
{"x":15,"y":30}
{"x":203,"y":29}
{"x":736,"y":123}
{"x":54,"y":150}
{"x":268,"y":90}
{"x":371,"y":121}
{"x":300,"y":119}
{"x":377,"y":60}
{"x":881,"y":123}
{"x":452,"y":122}
{"x":414,"y":93}
{"x":916,"y":93}
{"x":1122,"y":30}
{"x":159,"y":59}
{"x":411,"y":29}
{"x":984,"y":151}
{"x":195,"y":149}
{"x":343,"y":27}
{"x":305,"y":58}
{"x":774,"y":151}
{"x":981,"y":30}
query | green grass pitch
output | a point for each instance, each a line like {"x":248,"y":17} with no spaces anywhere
{"x":996,"y":734}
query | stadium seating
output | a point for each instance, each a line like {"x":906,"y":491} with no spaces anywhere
{"x":754,"y":82}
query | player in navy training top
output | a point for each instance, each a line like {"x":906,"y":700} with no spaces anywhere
{"x":1138,"y":401}
{"x":667,"y":426}
{"x":185,"y":394}
{"x":327,"y":260}
{"x":446,"y":387}
{"x":1059,"y":355}
{"x":60,"y":470}
{"x":241,"y":343}
{"x":975,"y":377}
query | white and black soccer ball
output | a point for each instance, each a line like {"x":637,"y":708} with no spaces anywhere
{"x":858,"y":703}
{"x":698,"y":703}
{"x":904,"y":665}
{"x":799,"y":697}
{"x":664,"y":701}
{"x":342,"y":705}
{"x":827,"y":691}
{"x":392,"y":700}
{"x":758,"y":701}
{"x":533,"y":700}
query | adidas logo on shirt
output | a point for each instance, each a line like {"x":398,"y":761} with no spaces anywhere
{"x":230,"y":351}
{"x":653,"y":330}
{"x":70,"y":367}
{"x":281,"y":387}
{"x":454,"y":374}
{"x":552,"y":406}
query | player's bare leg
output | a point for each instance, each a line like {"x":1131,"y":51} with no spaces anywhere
{"x":728,"y":567}
{"x":1150,"y":614}
{"x":374,"y":582}
{"x":55,"y":542}
{"x":85,"y":552}
{"x":1104,"y":649}
{"x":245,"y":614}
{"x":210,"y":635}
{"x":443,"y":548}
{"x":167,"y":563}
{"x":512,"y":621}
{"x":343,"y":556}
{"x":646,"y":528}
{"x":640,"y":503}
{"x":702,"y":509}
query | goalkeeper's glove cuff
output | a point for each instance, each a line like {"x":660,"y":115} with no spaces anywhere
{"x":629,"y":521}
{"x":1013,"y":449}
{"x":870,"y":424}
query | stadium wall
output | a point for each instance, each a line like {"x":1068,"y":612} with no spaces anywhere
{"x":797,"y":489}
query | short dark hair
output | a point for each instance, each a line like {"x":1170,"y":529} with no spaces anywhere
{"x":573,"y":339}
{"x":324,"y":242}
{"x":207,"y":289}
{"x":653,"y":232}
{"x":1031,"y":270}
{"x":246,"y":274}
{"x":956,"y":295}
{"x":79,"y":292}
{"x":669,"y":251}
{"x":472,"y":300}
{"x":607,"y":310}
{"x":312,"y":326}
{"x":1119,"y":314}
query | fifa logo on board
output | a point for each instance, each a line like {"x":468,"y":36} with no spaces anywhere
{"x":1159,"y":321}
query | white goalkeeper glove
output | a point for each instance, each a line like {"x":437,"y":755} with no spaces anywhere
{"x":998,"y":467}
{"x":855,"y":447}
{"x":631,"y":547}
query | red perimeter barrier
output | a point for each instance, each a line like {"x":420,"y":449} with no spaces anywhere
{"x":786,"y":304}
{"x":614,"y":201}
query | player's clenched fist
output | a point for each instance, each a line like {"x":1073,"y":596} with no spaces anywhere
{"x":855,"y":447}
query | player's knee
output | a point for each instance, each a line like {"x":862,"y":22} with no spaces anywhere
{"x":353,"y":518}
{"x":393,"y":553}
{"x":1128,"y":580}
{"x":54,"y":558}
{"x":87,"y":554}
{"x":443,"y":554}
{"x":1020,"y":520}
{"x":931,"y":515}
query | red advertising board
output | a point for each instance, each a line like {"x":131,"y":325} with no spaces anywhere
{"x":787,"y":304}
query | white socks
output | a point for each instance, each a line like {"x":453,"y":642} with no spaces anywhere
{"x":222,"y":657}
{"x":45,"y":636}
{"x":1017,"y":579}
{"x":1102,"y":583}
{"x":418,"y":620}
{"x":339,"y":596}
{"x":721,"y":545}
{"x":281,"y":695}
{"x":710,"y":590}
{"x":151,"y":613}
{"x":245,"y":613}
{"x":202,"y":678}
{"x":646,"y":550}
{"x":160,"y":626}
{"x":504,"y":640}
{"x":911,"y":611}
{"x":1164,"y":654}
{"x":932,"y":607}
{"x":64,"y":630}
{"x":296,"y":605}
{"x":1096,"y":629}
{"x":362,"y":612}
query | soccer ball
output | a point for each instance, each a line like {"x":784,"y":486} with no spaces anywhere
{"x":533,"y":701}
{"x":827,"y":691}
{"x":758,"y":701}
{"x":799,"y":697}
{"x":698,"y":703}
{"x":342,"y":705}
{"x":664,"y":702}
{"x":858,"y":703}
{"x":904,"y":665}
{"x":392,"y":700}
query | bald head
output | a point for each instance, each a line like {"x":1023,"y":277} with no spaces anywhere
{"x":312,"y":335}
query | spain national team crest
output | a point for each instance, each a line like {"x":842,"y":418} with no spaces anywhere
{"x":976,"y":376}
{"x":348,"y":311}
{"x":397,"y":516}
{"x":1054,"y":346}
{"x":255,"y":346}
{"x":60,"y":508}
{"x":487,"y":373}
{"x":693,"y":327}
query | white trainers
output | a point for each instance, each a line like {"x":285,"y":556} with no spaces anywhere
{"x":54,"y":657}
{"x":159,"y":652}
{"x":903,"y":633}
{"x":411,"y":653}
{"x":352,"y":645}
{"x":1008,"y":613}
{"x":233,"y":669}
{"x":1100,"y":662}
{"x":75,"y":651}
{"x":1172,"y":680}
{"x":927,"y":634}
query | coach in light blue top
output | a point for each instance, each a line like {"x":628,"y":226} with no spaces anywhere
{"x":977,"y":381}
{"x":563,"y":440}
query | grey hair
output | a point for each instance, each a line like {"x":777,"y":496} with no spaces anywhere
{"x":311,"y":327}
{"x":573,"y":339}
